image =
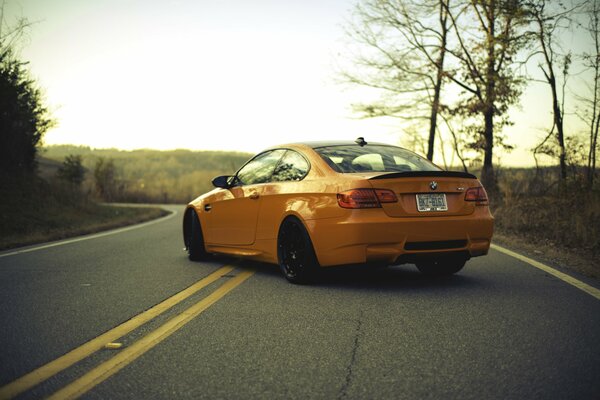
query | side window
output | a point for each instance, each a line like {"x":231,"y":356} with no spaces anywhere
{"x":293,"y":167}
{"x":260,"y":169}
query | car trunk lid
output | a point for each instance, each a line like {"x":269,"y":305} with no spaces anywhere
{"x":408,"y":185}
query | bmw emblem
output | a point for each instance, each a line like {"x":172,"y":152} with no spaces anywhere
{"x":433,"y":185}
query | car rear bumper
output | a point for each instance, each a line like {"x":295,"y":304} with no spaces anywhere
{"x":370,"y":236}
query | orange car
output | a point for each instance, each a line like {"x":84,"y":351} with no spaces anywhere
{"x":310,"y":205}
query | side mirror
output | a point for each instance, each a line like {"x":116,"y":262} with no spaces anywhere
{"x":223,"y":181}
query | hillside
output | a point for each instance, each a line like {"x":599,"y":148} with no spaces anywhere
{"x":174,"y":176}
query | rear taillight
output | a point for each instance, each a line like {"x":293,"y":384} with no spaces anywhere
{"x":365,"y":198}
{"x":477,"y":194}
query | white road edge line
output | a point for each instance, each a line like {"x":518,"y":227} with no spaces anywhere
{"x":91,"y":236}
{"x":562,"y":276}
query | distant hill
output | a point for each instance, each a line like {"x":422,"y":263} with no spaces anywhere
{"x":154,"y":175}
{"x":47,"y":168}
{"x":171,"y":161}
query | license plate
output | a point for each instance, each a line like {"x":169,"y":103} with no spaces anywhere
{"x":432,"y":202}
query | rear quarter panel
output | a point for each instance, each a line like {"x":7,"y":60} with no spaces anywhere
{"x":306,"y":200}
{"x":314,"y":197}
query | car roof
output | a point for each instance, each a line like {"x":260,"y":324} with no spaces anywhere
{"x":328,"y":143}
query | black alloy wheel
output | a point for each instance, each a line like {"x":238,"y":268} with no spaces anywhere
{"x":296,"y":255}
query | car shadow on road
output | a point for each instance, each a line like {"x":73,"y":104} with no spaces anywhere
{"x":365,"y":277}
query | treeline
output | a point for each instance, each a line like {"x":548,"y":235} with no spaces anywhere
{"x":453,"y":71}
{"x":149,"y":176}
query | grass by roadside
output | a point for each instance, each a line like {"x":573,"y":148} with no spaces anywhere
{"x":537,"y":217}
{"x":34,"y":211}
{"x":69,"y":222}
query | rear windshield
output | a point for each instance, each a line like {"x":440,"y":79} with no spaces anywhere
{"x":373,"y":158}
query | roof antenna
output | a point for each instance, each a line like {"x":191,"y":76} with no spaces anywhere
{"x":360,"y":141}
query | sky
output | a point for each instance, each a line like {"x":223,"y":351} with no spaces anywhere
{"x":208,"y":75}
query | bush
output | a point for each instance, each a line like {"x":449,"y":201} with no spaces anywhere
{"x":72,"y":170}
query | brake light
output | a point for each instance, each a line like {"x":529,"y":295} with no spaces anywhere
{"x":477,"y":194}
{"x":365,"y":198}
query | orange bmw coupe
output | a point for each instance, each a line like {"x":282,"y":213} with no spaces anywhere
{"x":307,"y":206}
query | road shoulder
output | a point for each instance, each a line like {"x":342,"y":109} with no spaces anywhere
{"x":565,"y":259}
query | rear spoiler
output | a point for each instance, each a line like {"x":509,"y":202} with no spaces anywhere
{"x":433,"y":174}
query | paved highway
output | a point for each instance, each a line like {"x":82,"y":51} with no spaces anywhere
{"x":501,"y":329}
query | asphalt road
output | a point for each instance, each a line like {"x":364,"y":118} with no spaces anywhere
{"x":501,"y":329}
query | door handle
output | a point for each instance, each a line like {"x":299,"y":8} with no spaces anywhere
{"x":254,"y":196}
{"x":207,"y":207}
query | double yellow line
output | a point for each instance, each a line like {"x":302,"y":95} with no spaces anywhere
{"x":129,"y":354}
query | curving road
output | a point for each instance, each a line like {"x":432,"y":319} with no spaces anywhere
{"x":501,"y":329}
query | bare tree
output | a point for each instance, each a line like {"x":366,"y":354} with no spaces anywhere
{"x":458,"y":144}
{"x":592,"y":102}
{"x":556,"y":148}
{"x":489,"y":34}
{"x":403,"y":50}
{"x":11,"y":34}
{"x":550,"y":21}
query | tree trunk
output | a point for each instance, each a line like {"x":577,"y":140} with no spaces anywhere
{"x":433,"y":119}
{"x":551,"y":79}
{"x":594,"y":125}
{"x":488,"y":178}
{"x":593,"y":155}
{"x":558,"y":122}
{"x":591,"y":164}
{"x":594,"y":29}
{"x":487,"y":174}
{"x":435,"y":106}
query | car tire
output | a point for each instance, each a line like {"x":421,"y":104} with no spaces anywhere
{"x":295,"y":252}
{"x":441,"y":267}
{"x":196,"y":249}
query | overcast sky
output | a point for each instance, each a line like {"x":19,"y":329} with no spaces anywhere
{"x":199,"y":74}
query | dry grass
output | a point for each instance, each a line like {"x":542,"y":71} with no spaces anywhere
{"x":34,"y":211}
{"x":535,"y":210}
{"x":572,"y":221}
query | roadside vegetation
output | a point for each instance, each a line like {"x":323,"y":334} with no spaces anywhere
{"x":51,"y":203}
{"x":148,"y":176}
{"x":35,"y":209}
{"x":561,"y":224}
